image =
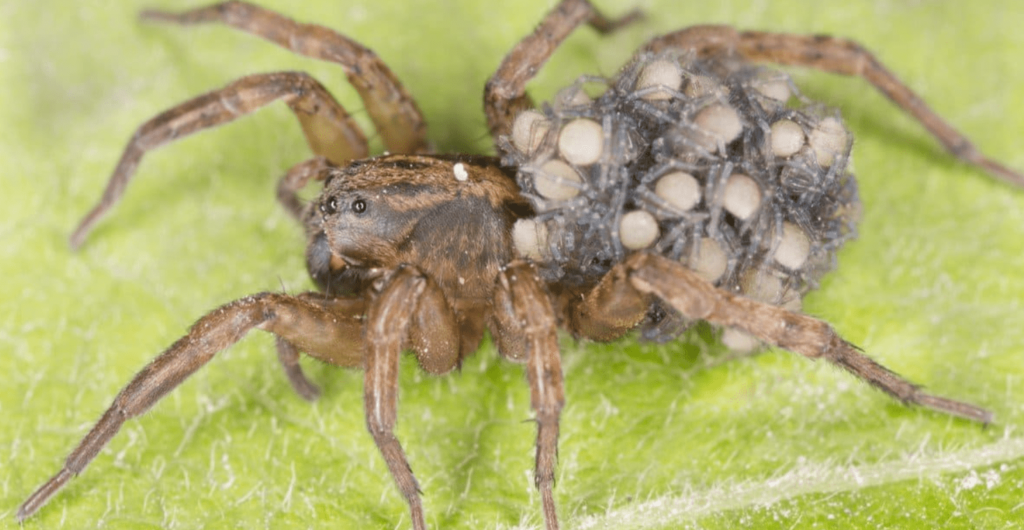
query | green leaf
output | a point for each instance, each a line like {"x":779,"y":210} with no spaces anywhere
{"x":652,"y":436}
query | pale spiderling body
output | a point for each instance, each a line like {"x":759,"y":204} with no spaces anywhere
{"x":691,"y":187}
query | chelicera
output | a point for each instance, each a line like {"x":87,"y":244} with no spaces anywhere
{"x":692,"y":186}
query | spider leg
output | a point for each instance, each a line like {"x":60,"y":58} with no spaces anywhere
{"x":697,"y":299}
{"x":525,"y":304}
{"x":392,"y":109}
{"x":838,"y":56}
{"x":409,"y":309}
{"x":611,"y":309}
{"x":288,"y":354}
{"x":505,"y":92}
{"x":329,"y":130}
{"x":323,"y":331}
{"x":295,"y":179}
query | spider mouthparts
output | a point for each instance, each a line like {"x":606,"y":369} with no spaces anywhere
{"x":339,"y":261}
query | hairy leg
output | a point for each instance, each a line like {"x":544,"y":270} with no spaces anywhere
{"x":392,"y":109}
{"x":288,"y":354}
{"x":834,"y":55}
{"x":329,"y":130}
{"x":697,"y":299}
{"x":330,"y":335}
{"x":505,"y":92}
{"x":295,"y":179}
{"x":611,"y":309}
{"x":528,"y":309}
{"x":409,"y":310}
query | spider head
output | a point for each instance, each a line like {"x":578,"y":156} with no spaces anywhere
{"x":449,"y":216}
{"x":365,"y":220}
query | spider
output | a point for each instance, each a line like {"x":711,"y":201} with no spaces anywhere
{"x":438,"y":290}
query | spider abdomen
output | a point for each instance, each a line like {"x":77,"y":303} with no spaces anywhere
{"x":713,"y":162}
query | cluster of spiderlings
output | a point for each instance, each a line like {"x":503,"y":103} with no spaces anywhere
{"x":716,"y":163}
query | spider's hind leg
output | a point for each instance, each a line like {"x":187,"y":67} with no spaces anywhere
{"x":697,"y":299}
{"x":837,"y":56}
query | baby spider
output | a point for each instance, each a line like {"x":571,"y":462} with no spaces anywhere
{"x":692,"y":186}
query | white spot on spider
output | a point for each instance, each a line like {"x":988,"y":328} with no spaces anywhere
{"x":581,"y":142}
{"x":460,"y":172}
{"x":794,"y":247}
{"x":557,"y":180}
{"x":787,"y":138}
{"x":720,"y":121}
{"x":742,"y":196}
{"x":659,"y":75}
{"x":711,"y":261}
{"x":828,"y":140}
{"x":679,"y":189}
{"x":762,"y":285}
{"x":638,"y":229}
{"x":776,"y":89}
{"x":530,"y":239}
{"x":529,"y":130}
{"x":572,"y":96}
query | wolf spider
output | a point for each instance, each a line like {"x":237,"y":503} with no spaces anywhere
{"x":538,"y":246}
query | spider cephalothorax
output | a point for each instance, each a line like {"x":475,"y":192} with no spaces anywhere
{"x":692,"y":187}
{"x":382,"y":212}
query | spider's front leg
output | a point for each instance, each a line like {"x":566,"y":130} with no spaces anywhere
{"x":329,"y":130}
{"x":525,"y":326}
{"x":505,"y":93}
{"x":409,"y":310}
{"x":697,"y":299}
{"x":326,"y":329}
{"x":394,"y":112}
{"x":331,"y":133}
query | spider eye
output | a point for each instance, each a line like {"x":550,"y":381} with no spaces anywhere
{"x":330,"y":206}
{"x":359,"y":206}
